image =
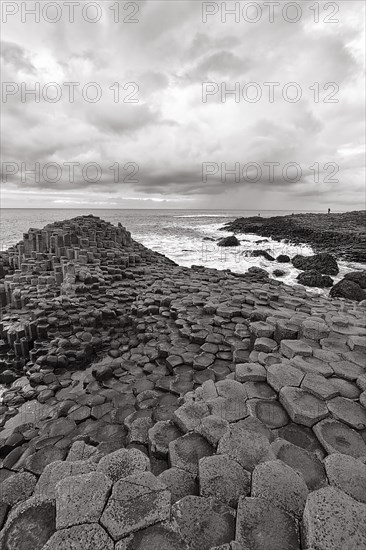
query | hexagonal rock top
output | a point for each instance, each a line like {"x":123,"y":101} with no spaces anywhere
{"x":186,"y":451}
{"x":81,"y":499}
{"x":123,"y":463}
{"x":281,"y":374}
{"x":348,"y":411}
{"x":204,"y":522}
{"x":223,"y":479}
{"x":17,"y":488}
{"x":333,"y":519}
{"x":290,"y":348}
{"x":189,"y":416}
{"x":303,"y":407}
{"x":29,"y":525}
{"x":348,"y":474}
{"x":336,"y":437}
{"x":246,"y":447}
{"x":262,"y":525}
{"x":163,"y":536}
{"x":281,"y":485}
{"x":80,"y":537}
{"x":137,"y":501}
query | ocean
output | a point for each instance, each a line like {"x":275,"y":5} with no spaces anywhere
{"x":186,"y":236}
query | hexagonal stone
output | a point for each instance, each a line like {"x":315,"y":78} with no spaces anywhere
{"x":203,"y":360}
{"x":80,"y":537}
{"x":319,"y":386}
{"x":290,"y":348}
{"x":268,"y":411}
{"x":136,"y":502}
{"x":250,"y":372}
{"x":302,"y":407}
{"x":163,"y":536}
{"x":281,"y":485}
{"x":312,"y":365}
{"x":179,"y":482}
{"x":247,"y":447}
{"x":345,"y":388}
{"x":266,"y":345}
{"x":302,"y":437}
{"x":336,"y":437}
{"x":231,"y":389}
{"x":230,"y":409}
{"x":29,"y":525}
{"x":347,"y":370}
{"x":189,"y":416}
{"x":79,"y":413}
{"x":17,"y":488}
{"x":58,"y":470}
{"x":37,"y":462}
{"x":223,"y":478}
{"x":332,"y":519}
{"x":260,"y":525}
{"x":160,"y":435}
{"x":357,"y":343}
{"x":123,"y":463}
{"x":80,"y":450}
{"x":348,"y":411}
{"x":315,"y":330}
{"x":347,"y":474}
{"x":81,"y":499}
{"x":302,"y":461}
{"x":260,"y":390}
{"x":253,"y":424}
{"x":186,"y":451}
{"x":204,"y":522}
{"x":281,"y":375}
{"x":213,"y":428}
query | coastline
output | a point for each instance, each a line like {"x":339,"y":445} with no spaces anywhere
{"x":126,"y":358}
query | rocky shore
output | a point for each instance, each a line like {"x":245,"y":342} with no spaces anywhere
{"x":149,"y":405}
{"x":343,"y":235}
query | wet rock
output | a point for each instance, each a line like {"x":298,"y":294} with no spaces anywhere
{"x":314,"y":278}
{"x":332,"y":519}
{"x":281,"y":375}
{"x":136,"y":502}
{"x":358,"y":277}
{"x":229,"y":241}
{"x":348,"y":289}
{"x":204,"y":522}
{"x":283,"y":259}
{"x":324,"y":263}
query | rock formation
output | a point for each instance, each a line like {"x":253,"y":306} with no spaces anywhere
{"x":155,"y":406}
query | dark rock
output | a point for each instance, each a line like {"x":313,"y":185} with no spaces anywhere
{"x":358,"y":277}
{"x":349,"y":290}
{"x":261,"y":253}
{"x":324,"y":263}
{"x":283,"y":259}
{"x":278,"y":272}
{"x":314,"y":278}
{"x":229,"y":241}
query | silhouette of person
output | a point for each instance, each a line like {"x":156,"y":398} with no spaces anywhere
{"x":328,"y":210}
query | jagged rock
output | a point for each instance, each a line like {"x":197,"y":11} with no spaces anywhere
{"x":204,"y":522}
{"x":348,"y":289}
{"x":229,"y":241}
{"x":160,"y":435}
{"x":189,"y":416}
{"x":314,"y":278}
{"x":260,"y":525}
{"x":324,"y":263}
{"x":332,"y":519}
{"x":136,"y":502}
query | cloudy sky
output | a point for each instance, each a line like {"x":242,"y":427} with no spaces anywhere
{"x":172,"y":147}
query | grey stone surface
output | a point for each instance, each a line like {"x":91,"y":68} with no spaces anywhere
{"x":58,"y":470}
{"x":348,"y":411}
{"x":180,"y":483}
{"x":247,"y":447}
{"x":224,"y":479}
{"x":123,"y":463}
{"x":204,"y":522}
{"x":332,"y":519}
{"x":261,"y":525}
{"x":81,"y":499}
{"x":280,"y":375}
{"x":213,"y":428}
{"x":162,"y":536}
{"x":17,"y":488}
{"x":136,"y":502}
{"x":281,"y":485}
{"x":186,"y":451}
{"x":348,"y":474}
{"x":303,"y":407}
{"x":80,"y":537}
{"x":336,"y":437}
{"x":160,"y":435}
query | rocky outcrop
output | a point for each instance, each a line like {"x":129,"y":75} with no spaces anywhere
{"x":189,"y":409}
{"x":349,"y":289}
{"x":229,"y":241}
{"x":343,"y":235}
{"x":313,"y":278}
{"x":323,"y":263}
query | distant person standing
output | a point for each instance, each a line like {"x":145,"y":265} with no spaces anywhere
{"x":328,"y":210}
